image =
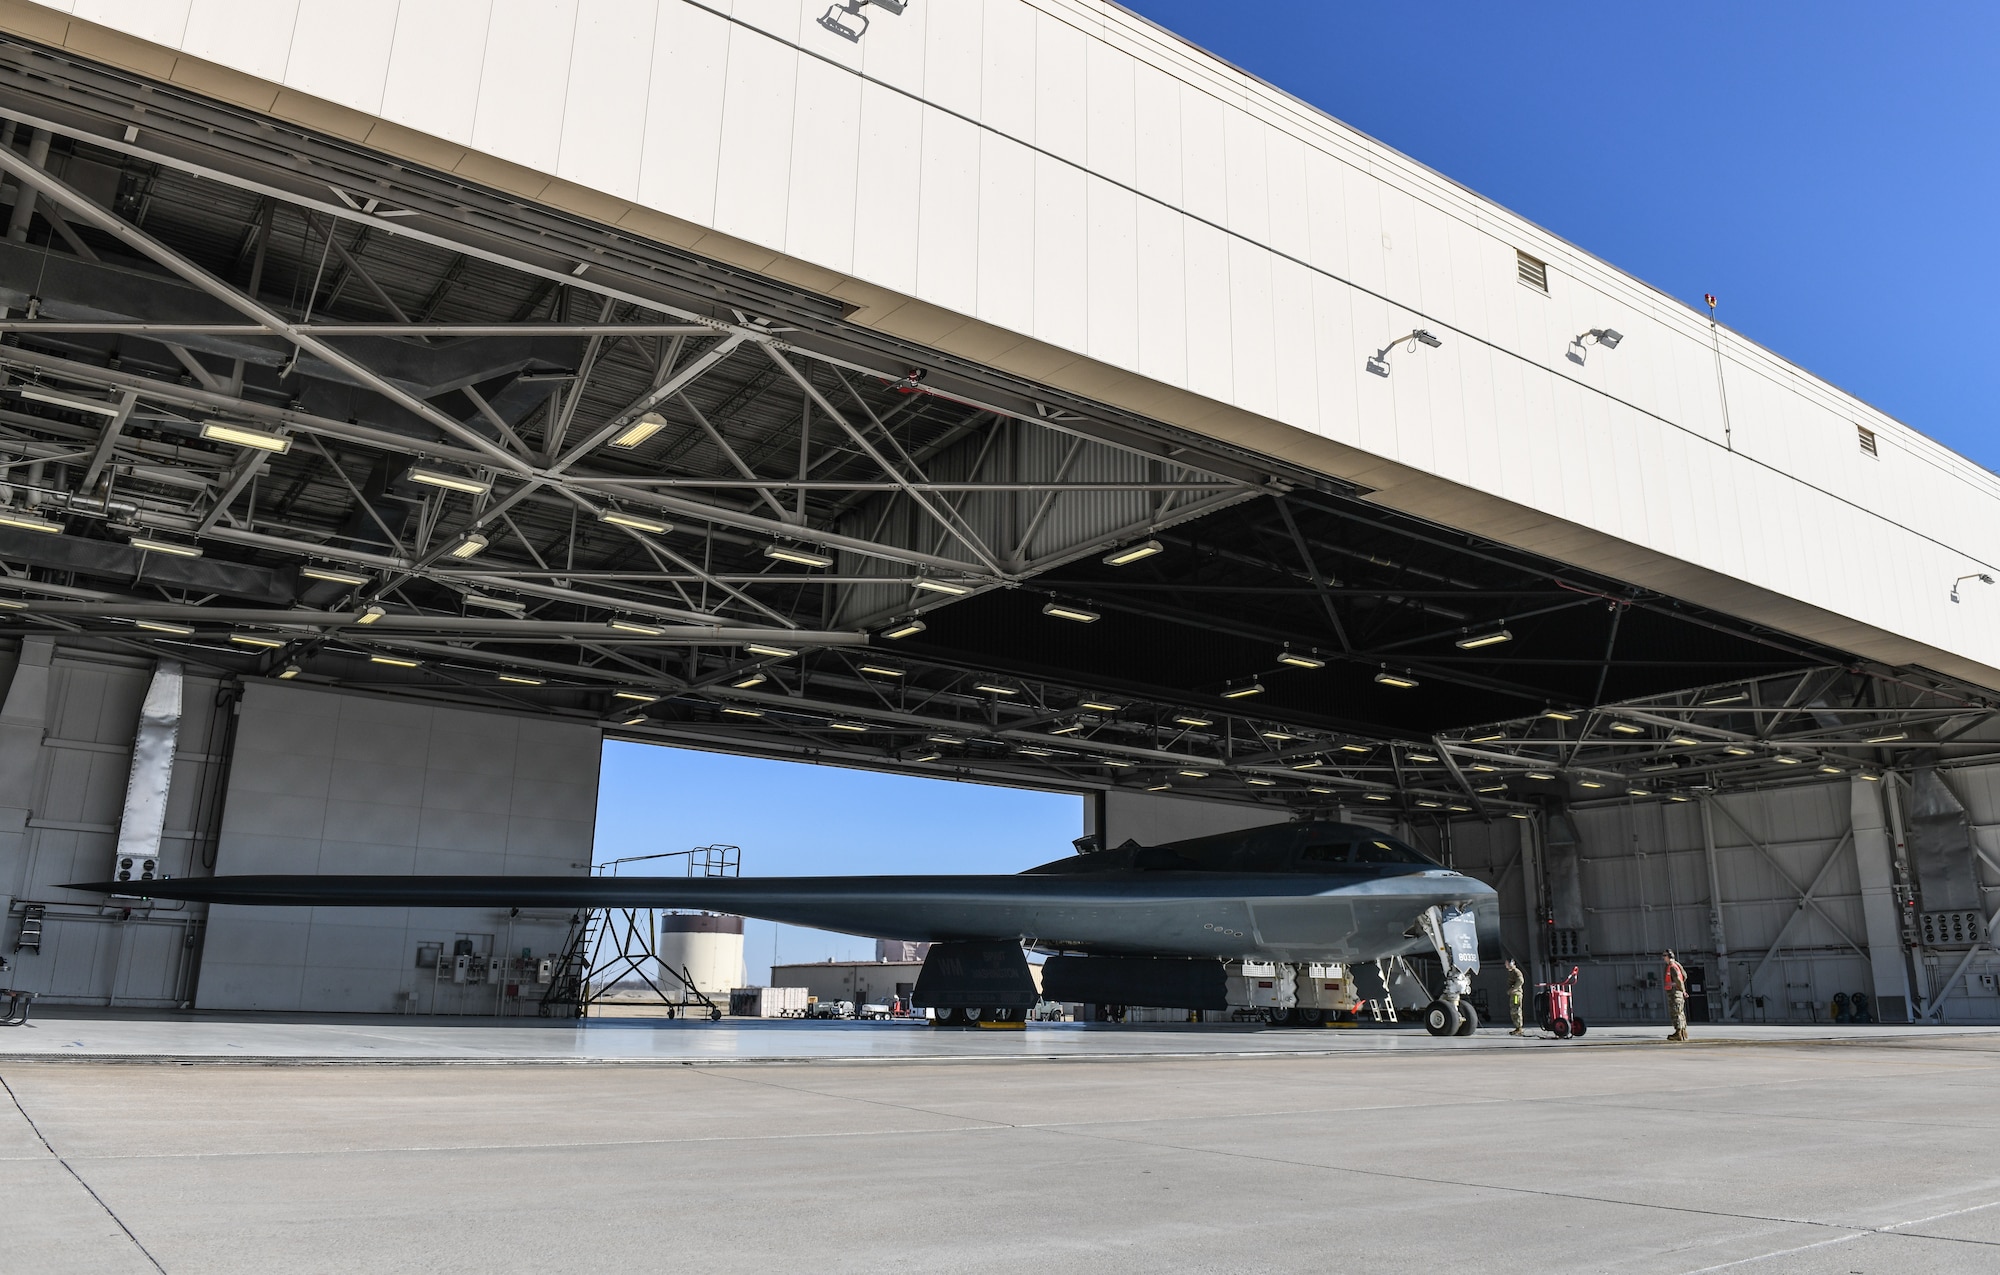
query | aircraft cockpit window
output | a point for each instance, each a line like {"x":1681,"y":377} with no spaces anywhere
{"x":1387,"y":850}
{"x":1321,"y":850}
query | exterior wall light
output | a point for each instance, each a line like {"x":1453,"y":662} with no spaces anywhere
{"x":1579,"y":346}
{"x":1378,"y":362}
{"x":1980,"y":576}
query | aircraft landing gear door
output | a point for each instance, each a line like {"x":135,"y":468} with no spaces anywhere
{"x":1454,"y":934}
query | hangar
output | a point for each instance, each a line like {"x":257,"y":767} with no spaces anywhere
{"x":399,"y":404}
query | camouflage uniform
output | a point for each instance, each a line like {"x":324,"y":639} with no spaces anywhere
{"x":1676,"y":984}
{"x":1516,"y":984}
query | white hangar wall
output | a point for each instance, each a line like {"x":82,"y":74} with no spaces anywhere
{"x":1059,"y":189}
{"x":325,"y":782}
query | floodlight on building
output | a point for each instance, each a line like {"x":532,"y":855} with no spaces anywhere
{"x":635,"y":522}
{"x":1378,"y":362}
{"x":1474,"y":641}
{"x":1580,"y":345}
{"x":1980,"y":576}
{"x":908,"y":628}
{"x":334,"y":575}
{"x":950,"y":587}
{"x":1518,"y":814}
{"x":1400,"y":681}
{"x":164,"y":626}
{"x":801,"y":557}
{"x":244,"y":436}
{"x":1070,"y":729}
{"x":470,"y":545}
{"x":640,"y":430}
{"x":1063,"y":611}
{"x":175,"y":548}
{"x":448,"y":480}
{"x":1133,"y":553}
{"x":770,"y":652}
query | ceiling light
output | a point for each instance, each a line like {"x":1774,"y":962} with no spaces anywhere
{"x":510,"y":606}
{"x":1132,"y":553}
{"x":1726,"y":699}
{"x":13,"y":604}
{"x":1736,"y":751}
{"x":1492,"y":788}
{"x":1478,"y":640}
{"x":856,"y":727}
{"x":370,"y":613}
{"x":908,"y":628}
{"x":923,"y":757}
{"x":1898,"y":737}
{"x":1100,"y":706}
{"x":641,"y":696}
{"x":1557,"y":715}
{"x":1683,"y":739}
{"x":1871,"y":778}
{"x":734,"y":711}
{"x":96,"y":406}
{"x":1516,"y":814}
{"x":951,"y":587}
{"x":27,"y":522}
{"x":755,"y":679}
{"x":1676,"y":797}
{"x":1783,"y":760}
{"x":1190,"y":720}
{"x":257,"y":640}
{"x":243,"y":436}
{"x":1460,"y":809}
{"x":633,"y":626}
{"x":1192,"y":774}
{"x":1482,"y":768}
{"x":1588,"y":783}
{"x":148,"y":544}
{"x":1029,"y":750}
{"x":1113,"y":761}
{"x":1063,"y":611}
{"x":1159,"y":788}
{"x":636,"y":522}
{"x":1636,"y":792}
{"x":1070,"y":729}
{"x":1540,"y":774}
{"x":469,"y":545}
{"x":1278,"y":736}
{"x":1428,"y":804}
{"x":1296,"y":660}
{"x":994,"y":688}
{"x":640,"y":430}
{"x":944,"y":739}
{"x":1243,"y":692}
{"x":1323,"y":792}
{"x":1365,"y":748}
{"x":1260,"y":781}
{"x":335,"y":576}
{"x":1830,"y":770}
{"x":1627,"y":728}
{"x":1376,"y":796}
{"x":803,"y":557}
{"x":1396,"y":680}
{"x":634,"y":721}
{"x":772,"y":652}
{"x":1489,"y":737}
{"x":289,"y":672}
{"x":449,"y":481}
{"x":881,"y":670}
{"x":517,"y":679}
{"x":1314,"y":764}
{"x":162,"y":626}
{"x":393,"y":661}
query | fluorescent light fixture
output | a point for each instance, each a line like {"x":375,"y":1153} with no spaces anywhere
{"x":1871,"y":778}
{"x":943,"y":739}
{"x":1683,"y":739}
{"x":633,"y":721}
{"x":1627,"y":728}
{"x":1540,"y":774}
{"x":509,"y":606}
{"x":638,"y":696}
{"x":994,"y":688}
{"x":923,"y":757}
{"x":1029,"y":750}
{"x":1478,"y":640}
{"x":640,"y":430}
{"x":393,"y":661}
{"x":770,"y":652}
{"x":881,"y":670}
{"x":289,"y":672}
{"x":1726,"y":699}
{"x":1101,"y":706}
{"x":471,"y":544}
{"x":1898,"y":737}
{"x":1063,"y":611}
{"x":1676,"y":797}
{"x":803,"y":557}
{"x":1783,"y":760}
{"x":257,"y":640}
{"x":1192,"y":774}
{"x":1132,"y":553}
{"x":1482,"y":768}
{"x":951,"y":587}
{"x":1116,"y":763}
{"x":448,"y":481}
{"x":1260,"y":781}
{"x":734,"y":711}
{"x":176,"y":548}
{"x":1489,"y":737}
{"x":26,"y":521}
{"x":1736,"y":751}
{"x":1295,"y":660}
{"x":1314,"y":764}
{"x":1637,"y":792}
{"x":244,"y":436}
{"x":633,"y":626}
{"x":1430,"y":805}
{"x":74,"y":403}
{"x":517,"y":679}
{"x":333,"y":575}
{"x":1557,"y":715}
{"x":1396,"y":680}
{"x":1461,"y":809}
{"x":1364,"y":748}
{"x":908,"y":628}
{"x":1492,"y":788}
{"x":162,"y":626}
{"x":856,"y":727}
{"x":1278,"y":736}
{"x":13,"y":604}
{"x":1830,"y":770}
{"x":1375,"y":796}
{"x":1588,"y":783}
{"x":371,"y":613}
{"x":1188,"y":719}
{"x":1243,"y":692}
{"x":755,"y":679}
{"x":637,"y":522}
{"x":1323,"y":792}
{"x":1070,"y":729}
{"x":1159,"y":788}
{"x":1516,"y":814}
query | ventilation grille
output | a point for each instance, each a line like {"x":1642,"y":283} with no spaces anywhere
{"x":1867,"y":440}
{"x":1531,"y":271}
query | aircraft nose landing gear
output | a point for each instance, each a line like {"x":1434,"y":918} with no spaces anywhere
{"x":1454,"y":934}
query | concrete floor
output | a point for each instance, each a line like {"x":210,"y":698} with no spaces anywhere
{"x":1761,"y":1153}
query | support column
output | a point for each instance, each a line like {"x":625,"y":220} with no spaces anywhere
{"x":1718,"y":939}
{"x":1875,"y":865}
{"x":1531,"y":885}
{"x":1899,"y":845}
{"x":23,"y":719}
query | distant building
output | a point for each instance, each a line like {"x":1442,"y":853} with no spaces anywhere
{"x":900,"y":950}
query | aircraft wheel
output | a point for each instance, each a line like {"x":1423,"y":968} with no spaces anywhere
{"x":1468,"y":1018}
{"x":1576,"y":1027}
{"x":1440,"y":1019}
{"x":1310,"y":1017}
{"x":1561,"y":1028}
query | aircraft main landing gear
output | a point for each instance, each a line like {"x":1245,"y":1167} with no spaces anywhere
{"x":1454,"y":934}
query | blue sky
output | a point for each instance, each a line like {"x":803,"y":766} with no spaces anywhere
{"x":799,"y":820}
{"x":1828,"y":170}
